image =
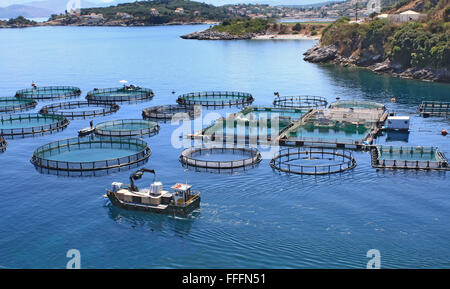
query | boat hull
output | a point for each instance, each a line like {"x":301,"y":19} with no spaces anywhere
{"x":169,"y":210}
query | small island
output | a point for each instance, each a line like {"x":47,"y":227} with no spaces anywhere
{"x":246,"y":28}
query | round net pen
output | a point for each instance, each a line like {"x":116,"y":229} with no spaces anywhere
{"x":300,"y":101}
{"x":193,"y":157}
{"x":312,"y":161}
{"x":120,"y":94}
{"x":216,"y":98}
{"x":29,"y":124}
{"x":71,"y":109}
{"x":14,"y":104}
{"x":91,"y":153}
{"x":49,"y":92}
{"x":127,"y":128}
{"x":3,"y":144}
{"x":167,"y":112}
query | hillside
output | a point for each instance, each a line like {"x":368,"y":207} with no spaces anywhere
{"x":27,"y":11}
{"x":413,"y":49}
{"x":146,"y":13}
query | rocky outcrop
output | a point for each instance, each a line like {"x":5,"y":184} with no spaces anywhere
{"x":319,"y":54}
{"x":210,"y":34}
{"x":375,"y":63}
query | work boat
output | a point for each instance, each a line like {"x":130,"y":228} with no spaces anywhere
{"x":182,"y":201}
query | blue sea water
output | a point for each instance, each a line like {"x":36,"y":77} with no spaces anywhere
{"x":255,"y":218}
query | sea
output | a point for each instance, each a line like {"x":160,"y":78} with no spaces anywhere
{"x":252,"y":218}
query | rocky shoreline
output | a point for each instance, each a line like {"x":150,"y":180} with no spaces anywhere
{"x":375,"y":63}
{"x":210,"y":34}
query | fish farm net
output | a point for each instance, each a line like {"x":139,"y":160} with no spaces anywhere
{"x":29,"y":124}
{"x":80,"y":109}
{"x":358,"y":105}
{"x":283,"y":114}
{"x":301,"y":101}
{"x":220,"y":157}
{"x":120,"y":94}
{"x":127,"y":127}
{"x":216,"y":98}
{"x":3,"y":144}
{"x":14,"y":104}
{"x":167,"y":112}
{"x":91,"y":153}
{"x":403,"y":157}
{"x":312,"y":161}
{"x":434,"y":108}
{"x":49,"y":92}
{"x":240,"y":130}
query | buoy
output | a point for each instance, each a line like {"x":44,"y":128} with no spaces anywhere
{"x":337,"y":98}
{"x":393,"y":99}
{"x":444,"y":132}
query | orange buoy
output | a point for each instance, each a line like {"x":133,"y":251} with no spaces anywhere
{"x":393,"y":99}
{"x":444,"y":132}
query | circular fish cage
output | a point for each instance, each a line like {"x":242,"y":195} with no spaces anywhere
{"x":3,"y":144}
{"x":216,"y":98}
{"x":198,"y":157}
{"x":80,"y":109}
{"x":312,"y":161}
{"x":120,"y":94}
{"x":167,"y":112}
{"x":14,"y":104}
{"x":300,"y":101}
{"x":30,"y":124}
{"x":92,"y":153}
{"x":49,"y":92}
{"x":127,"y":127}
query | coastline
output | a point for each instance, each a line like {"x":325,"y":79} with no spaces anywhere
{"x":285,"y":37}
{"x":329,"y":55}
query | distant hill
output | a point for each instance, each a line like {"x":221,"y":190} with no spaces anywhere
{"x":37,"y":9}
{"x":27,"y":11}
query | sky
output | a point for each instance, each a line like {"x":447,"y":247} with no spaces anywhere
{"x":214,"y":2}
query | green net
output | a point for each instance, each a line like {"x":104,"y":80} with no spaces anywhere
{"x":120,"y":94}
{"x":14,"y":104}
{"x":127,"y":127}
{"x":91,"y":153}
{"x":49,"y":92}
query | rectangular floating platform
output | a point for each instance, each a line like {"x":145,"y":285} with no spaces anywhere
{"x":335,"y":127}
{"x":434,"y":108}
{"x":400,"y":157}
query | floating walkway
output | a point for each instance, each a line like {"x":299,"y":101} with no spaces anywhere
{"x":120,"y":94}
{"x":49,"y":92}
{"x":3,"y":144}
{"x":300,"y":102}
{"x":92,"y":153}
{"x":312,"y":161}
{"x":216,"y":99}
{"x":167,"y":112}
{"x":425,"y":158}
{"x":14,"y":104}
{"x":219,"y":157}
{"x":434,"y":108}
{"x":80,"y":109}
{"x":30,"y":124}
{"x":127,"y":128}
